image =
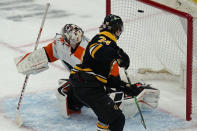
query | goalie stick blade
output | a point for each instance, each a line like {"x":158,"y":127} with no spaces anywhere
{"x":19,"y":120}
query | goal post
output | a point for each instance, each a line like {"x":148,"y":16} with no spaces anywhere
{"x":159,"y":38}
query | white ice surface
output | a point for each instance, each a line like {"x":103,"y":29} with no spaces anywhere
{"x":15,"y":33}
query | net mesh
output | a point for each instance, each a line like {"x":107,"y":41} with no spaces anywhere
{"x":156,"y":42}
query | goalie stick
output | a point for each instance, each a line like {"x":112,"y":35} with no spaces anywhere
{"x":136,"y":101}
{"x":19,"y":120}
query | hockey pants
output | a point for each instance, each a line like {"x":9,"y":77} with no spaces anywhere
{"x":92,"y":93}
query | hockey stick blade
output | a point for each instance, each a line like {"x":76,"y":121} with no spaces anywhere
{"x":142,"y":118}
{"x":19,"y":120}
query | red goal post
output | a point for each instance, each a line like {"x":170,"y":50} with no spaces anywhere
{"x":124,"y":8}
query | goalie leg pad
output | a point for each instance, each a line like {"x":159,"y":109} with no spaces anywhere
{"x":117,"y":96}
{"x":149,"y":99}
{"x":63,"y":99}
{"x":62,"y":103}
{"x":127,"y":105}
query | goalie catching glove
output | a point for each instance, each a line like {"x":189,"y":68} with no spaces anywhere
{"x":32,"y":63}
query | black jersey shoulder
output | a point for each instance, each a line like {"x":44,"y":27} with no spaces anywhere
{"x":105,"y":38}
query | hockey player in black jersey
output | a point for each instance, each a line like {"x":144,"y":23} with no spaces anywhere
{"x":90,"y":79}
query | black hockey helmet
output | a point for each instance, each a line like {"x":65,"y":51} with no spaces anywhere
{"x":112,"y":23}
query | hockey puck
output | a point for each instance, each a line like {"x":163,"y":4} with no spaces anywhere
{"x":141,"y":11}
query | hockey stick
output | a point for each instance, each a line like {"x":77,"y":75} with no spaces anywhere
{"x":136,"y":101}
{"x":18,"y":116}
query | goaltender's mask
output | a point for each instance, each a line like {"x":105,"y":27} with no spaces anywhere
{"x":72,"y":34}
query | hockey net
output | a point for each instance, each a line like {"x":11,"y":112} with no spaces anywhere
{"x":159,"y":39}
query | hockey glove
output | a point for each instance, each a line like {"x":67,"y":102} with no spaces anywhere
{"x":131,"y":90}
{"x":122,"y":59}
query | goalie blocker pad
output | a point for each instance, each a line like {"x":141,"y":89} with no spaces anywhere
{"x":62,"y":103}
{"x":32,"y":63}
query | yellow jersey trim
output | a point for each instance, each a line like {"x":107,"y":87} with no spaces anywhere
{"x":80,"y":69}
{"x":108,"y":34}
{"x":101,"y":79}
{"x":92,"y":45}
{"x":106,"y":127}
{"x":89,"y":71}
{"x":95,"y":50}
{"x":72,"y":72}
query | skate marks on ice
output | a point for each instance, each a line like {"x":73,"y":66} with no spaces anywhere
{"x":20,"y":10}
{"x":39,"y":112}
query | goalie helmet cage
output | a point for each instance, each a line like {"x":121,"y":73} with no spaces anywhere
{"x":159,"y":39}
